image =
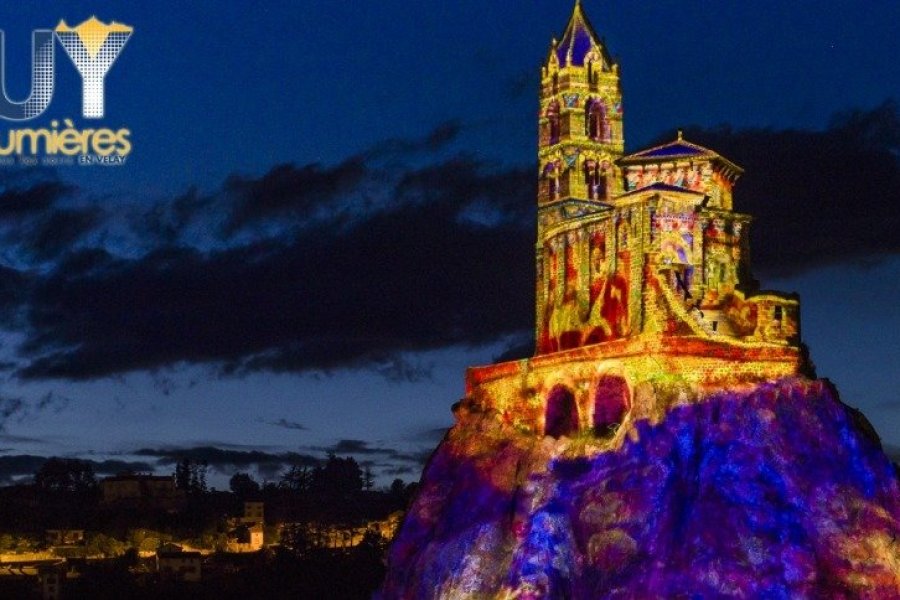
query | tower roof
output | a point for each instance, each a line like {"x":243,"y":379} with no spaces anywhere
{"x":578,"y":40}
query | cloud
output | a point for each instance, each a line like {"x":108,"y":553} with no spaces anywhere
{"x":818,"y":197}
{"x":59,"y":230}
{"x":289,"y":192}
{"x":225,"y":460}
{"x":437,"y":139}
{"x":10,"y":407}
{"x":285,"y":424}
{"x":29,"y":191}
{"x":413,"y":276}
{"x":351,"y":446}
{"x":18,"y":466}
{"x":392,"y":456}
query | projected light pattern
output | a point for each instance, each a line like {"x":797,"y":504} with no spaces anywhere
{"x":729,"y":496}
{"x":644,"y":451}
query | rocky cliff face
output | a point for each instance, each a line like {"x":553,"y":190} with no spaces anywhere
{"x":776,"y":491}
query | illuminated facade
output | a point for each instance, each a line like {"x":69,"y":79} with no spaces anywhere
{"x":663,"y":441}
{"x":643,"y":267}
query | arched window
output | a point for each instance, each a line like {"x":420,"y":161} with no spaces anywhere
{"x":553,"y":119}
{"x":595,"y":123}
{"x":551,"y":176}
{"x":561,"y":417}
{"x":611,"y":402}
{"x":596,"y":183}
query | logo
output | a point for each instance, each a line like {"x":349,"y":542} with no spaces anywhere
{"x":93,"y":47}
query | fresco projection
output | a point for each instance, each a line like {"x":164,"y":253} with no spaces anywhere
{"x":703,"y":501}
{"x":668,"y":438}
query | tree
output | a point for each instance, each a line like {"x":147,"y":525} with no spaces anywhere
{"x":183,"y":474}
{"x":339,"y":478}
{"x":65,"y":475}
{"x":243,"y":485}
{"x":190,"y":475}
{"x":297,"y":479}
{"x":368,"y":479}
{"x":103,"y":545}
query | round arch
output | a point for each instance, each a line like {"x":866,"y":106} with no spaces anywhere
{"x":612,"y":399}
{"x":561,"y":413}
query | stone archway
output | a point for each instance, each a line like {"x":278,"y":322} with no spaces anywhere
{"x":561,"y":415}
{"x":611,"y":402}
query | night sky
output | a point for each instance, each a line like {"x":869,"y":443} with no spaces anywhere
{"x":329,"y":213}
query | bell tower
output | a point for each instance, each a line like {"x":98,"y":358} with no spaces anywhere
{"x":580,"y":140}
{"x":580,"y":123}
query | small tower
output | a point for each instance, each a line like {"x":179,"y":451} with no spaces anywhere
{"x":580,"y":123}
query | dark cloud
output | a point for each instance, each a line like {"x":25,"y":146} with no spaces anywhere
{"x":437,"y":139}
{"x":58,"y":230}
{"x":363,"y":448}
{"x":398,"y":471}
{"x":18,"y":466}
{"x":285,"y":424}
{"x":412,"y":277}
{"x":818,"y":197}
{"x":225,"y":460}
{"x":289,"y":192}
{"x":28,"y":191}
{"x":350,"y":446}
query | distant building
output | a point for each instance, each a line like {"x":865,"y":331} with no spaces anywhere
{"x":254,"y":512}
{"x":64,"y":537}
{"x":248,"y":533}
{"x":246,"y":538}
{"x":150,"y":490}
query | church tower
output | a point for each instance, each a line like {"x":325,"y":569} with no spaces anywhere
{"x":580,"y":140}
{"x":580,"y":125}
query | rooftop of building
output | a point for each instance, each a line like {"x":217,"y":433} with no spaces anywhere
{"x":679,"y":148}
{"x":578,"y":39}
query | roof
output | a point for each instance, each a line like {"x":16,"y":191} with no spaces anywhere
{"x":680,"y":148}
{"x":578,"y":39}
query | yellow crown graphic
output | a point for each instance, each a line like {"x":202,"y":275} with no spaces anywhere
{"x":93,"y":32}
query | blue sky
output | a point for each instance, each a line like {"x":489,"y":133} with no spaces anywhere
{"x":265,"y":133}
